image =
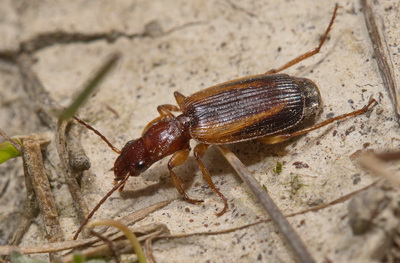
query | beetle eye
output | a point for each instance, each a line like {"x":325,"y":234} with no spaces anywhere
{"x":141,"y":167}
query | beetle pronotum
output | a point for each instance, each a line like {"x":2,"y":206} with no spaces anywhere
{"x":268,"y":107}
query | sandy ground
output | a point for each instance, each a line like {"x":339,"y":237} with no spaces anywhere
{"x":186,"y":46}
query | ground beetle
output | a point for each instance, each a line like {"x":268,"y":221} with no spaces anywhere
{"x":268,"y":107}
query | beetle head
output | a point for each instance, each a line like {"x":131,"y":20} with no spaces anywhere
{"x":133,"y":160}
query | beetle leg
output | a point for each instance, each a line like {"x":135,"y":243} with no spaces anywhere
{"x":165,"y":112}
{"x":283,"y":137}
{"x":309,"y":53}
{"x":121,"y":188}
{"x":178,"y":159}
{"x":179,"y":97}
{"x":199,"y":151}
{"x":166,"y":109}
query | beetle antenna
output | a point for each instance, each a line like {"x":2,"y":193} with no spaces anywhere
{"x":115,"y":149}
{"x":90,"y":215}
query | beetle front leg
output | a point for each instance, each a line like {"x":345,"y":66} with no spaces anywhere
{"x":178,"y":159}
{"x":199,"y":151}
{"x":283,"y":137}
{"x":179,"y":97}
{"x":165,"y":111}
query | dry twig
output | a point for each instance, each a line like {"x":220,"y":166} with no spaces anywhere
{"x":77,"y":196}
{"x":269,"y":205}
{"x":112,"y":234}
{"x":381,"y":53}
{"x":46,"y":106}
{"x":34,"y":169}
{"x":33,"y":165}
{"x":114,"y":251}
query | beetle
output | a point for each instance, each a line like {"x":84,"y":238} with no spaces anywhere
{"x":269,"y":107}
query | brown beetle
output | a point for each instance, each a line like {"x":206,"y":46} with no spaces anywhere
{"x":268,"y":107}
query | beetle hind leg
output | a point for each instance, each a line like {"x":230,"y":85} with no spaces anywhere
{"x":176,"y":160}
{"x":283,"y":137}
{"x":199,"y":151}
{"x":309,"y":53}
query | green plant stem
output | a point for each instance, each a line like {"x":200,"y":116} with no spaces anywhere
{"x":127,"y":232}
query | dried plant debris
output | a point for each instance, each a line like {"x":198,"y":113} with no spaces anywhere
{"x":375,"y":215}
{"x":94,"y":247}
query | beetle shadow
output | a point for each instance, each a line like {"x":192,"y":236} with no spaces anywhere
{"x":254,"y":152}
{"x":160,"y":175}
{"x":213,"y":160}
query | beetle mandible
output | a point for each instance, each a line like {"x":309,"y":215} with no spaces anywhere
{"x":269,"y":107}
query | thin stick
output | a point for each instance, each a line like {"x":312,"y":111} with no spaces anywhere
{"x":266,"y":201}
{"x":31,"y":208}
{"x":112,"y":234}
{"x":114,"y":251}
{"x":127,"y":232}
{"x":382,"y":55}
{"x":34,"y":166}
{"x":339,"y":200}
{"x":149,"y":241}
{"x":123,"y":246}
{"x":77,"y":196}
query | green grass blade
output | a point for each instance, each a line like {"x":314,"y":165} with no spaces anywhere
{"x":89,"y":87}
{"x":8,"y":151}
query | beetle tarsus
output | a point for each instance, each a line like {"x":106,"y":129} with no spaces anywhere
{"x":223,"y":211}
{"x":192,"y":201}
{"x":199,"y":151}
